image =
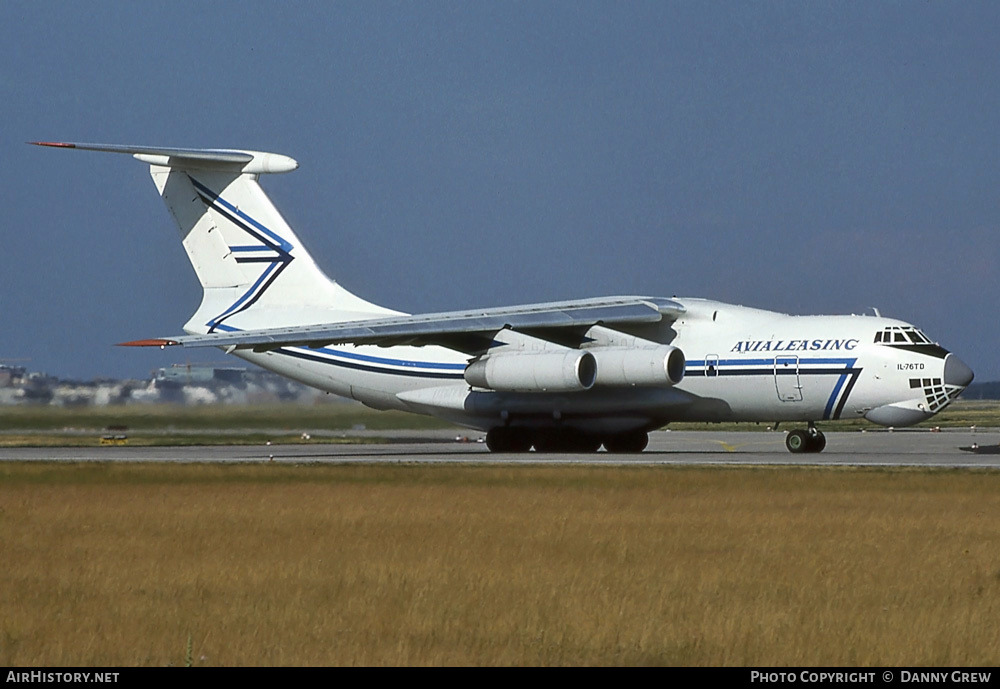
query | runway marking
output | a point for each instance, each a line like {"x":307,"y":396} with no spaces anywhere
{"x":730,"y":448}
{"x":733,"y":447}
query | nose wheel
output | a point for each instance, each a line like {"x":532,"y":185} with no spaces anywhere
{"x":808,"y":440}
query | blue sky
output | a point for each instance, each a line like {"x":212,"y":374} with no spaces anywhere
{"x":803,"y":157}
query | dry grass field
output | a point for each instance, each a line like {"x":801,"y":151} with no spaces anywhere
{"x":408,"y":565}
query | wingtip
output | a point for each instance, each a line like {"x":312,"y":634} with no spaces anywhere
{"x":52,"y":144}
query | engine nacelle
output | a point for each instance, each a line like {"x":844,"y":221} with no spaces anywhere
{"x":627,"y":366}
{"x":571,"y":370}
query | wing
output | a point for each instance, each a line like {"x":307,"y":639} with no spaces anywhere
{"x":471,"y":332}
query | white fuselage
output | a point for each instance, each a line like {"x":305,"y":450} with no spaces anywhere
{"x":743,"y":364}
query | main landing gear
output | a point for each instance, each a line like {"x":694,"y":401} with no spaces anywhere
{"x":808,"y":440}
{"x":512,"y":439}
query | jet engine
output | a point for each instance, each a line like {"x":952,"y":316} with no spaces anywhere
{"x":632,"y":366}
{"x":567,"y":370}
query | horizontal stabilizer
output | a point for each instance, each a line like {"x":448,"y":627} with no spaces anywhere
{"x":249,"y":162}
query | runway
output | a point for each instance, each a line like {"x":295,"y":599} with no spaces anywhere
{"x":917,"y":448}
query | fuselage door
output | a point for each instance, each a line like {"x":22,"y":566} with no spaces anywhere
{"x":786,"y":378}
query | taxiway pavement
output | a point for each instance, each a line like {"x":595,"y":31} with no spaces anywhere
{"x":874,"y":448}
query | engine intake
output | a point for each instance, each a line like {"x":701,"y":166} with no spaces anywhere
{"x":545,"y":371}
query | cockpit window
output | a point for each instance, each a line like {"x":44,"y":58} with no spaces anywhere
{"x":899,"y":335}
{"x":909,"y":338}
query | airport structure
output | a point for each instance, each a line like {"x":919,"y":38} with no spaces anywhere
{"x":177,"y":384}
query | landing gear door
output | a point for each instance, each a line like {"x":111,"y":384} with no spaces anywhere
{"x":786,"y":378}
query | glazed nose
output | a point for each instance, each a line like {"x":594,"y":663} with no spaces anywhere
{"x":956,"y":372}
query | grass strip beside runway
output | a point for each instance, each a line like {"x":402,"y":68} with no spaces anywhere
{"x":371,"y":565}
{"x":171,"y":425}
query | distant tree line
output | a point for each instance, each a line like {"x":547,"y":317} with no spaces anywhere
{"x":983,"y":391}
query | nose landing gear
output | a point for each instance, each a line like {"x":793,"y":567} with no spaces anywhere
{"x":809,"y":440}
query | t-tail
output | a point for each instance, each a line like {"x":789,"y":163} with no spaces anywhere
{"x":253,"y":269}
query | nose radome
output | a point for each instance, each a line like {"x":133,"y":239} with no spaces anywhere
{"x":956,"y":372}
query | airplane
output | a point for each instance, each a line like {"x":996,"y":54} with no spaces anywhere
{"x":556,"y":377}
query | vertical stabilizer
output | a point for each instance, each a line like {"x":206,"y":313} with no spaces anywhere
{"x":252,"y":266}
{"x":254,"y":270}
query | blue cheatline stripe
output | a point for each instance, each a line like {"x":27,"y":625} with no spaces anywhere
{"x":847,"y":393}
{"x":765,"y":372}
{"x":283,"y":248}
{"x":770,"y":361}
{"x":833,"y":396}
{"x":847,"y":374}
{"x":391,"y":362}
{"x":363,"y":367}
{"x":256,"y":259}
{"x":248,"y":298}
{"x":241,"y":220}
{"x":271,"y":241}
{"x":354,"y":356}
{"x":236,"y":211}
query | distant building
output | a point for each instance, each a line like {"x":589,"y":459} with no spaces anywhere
{"x":177,"y":384}
{"x":188,"y":374}
{"x":11,"y":375}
